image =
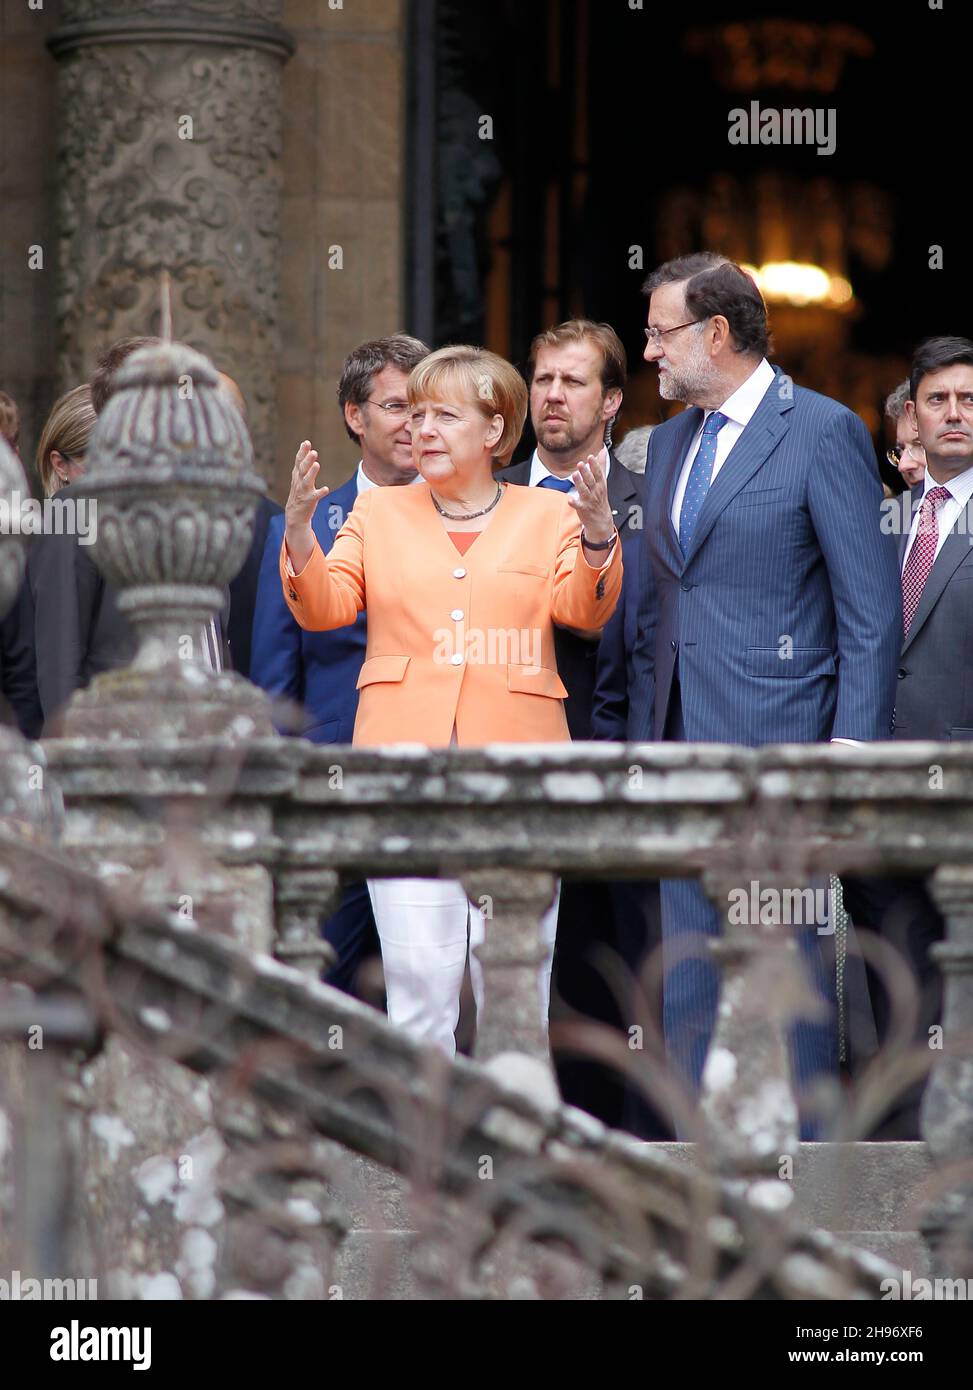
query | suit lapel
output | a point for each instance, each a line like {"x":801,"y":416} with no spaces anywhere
{"x":760,"y":436}
{"x":954,"y":551}
{"x":518,"y":473}
{"x":327,"y":521}
{"x":622,"y":493}
{"x":910,"y":503}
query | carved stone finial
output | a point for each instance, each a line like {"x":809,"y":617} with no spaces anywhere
{"x":172,"y":480}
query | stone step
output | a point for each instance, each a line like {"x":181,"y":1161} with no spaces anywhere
{"x":867,"y":1195}
{"x":851,"y":1187}
{"x":903,"y":1250}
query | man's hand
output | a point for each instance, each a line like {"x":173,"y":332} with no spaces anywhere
{"x":301,"y":502}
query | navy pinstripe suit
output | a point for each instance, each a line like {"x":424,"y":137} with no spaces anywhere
{"x":781,"y":624}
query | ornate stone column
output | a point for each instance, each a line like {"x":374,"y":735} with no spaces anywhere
{"x":169,"y":159}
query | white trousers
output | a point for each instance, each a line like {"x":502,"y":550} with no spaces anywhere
{"x":427,"y":926}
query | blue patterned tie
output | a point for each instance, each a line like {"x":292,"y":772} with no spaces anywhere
{"x":700,"y":477}
{"x":562,"y":484}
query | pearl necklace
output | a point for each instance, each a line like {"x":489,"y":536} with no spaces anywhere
{"x":466,"y":516}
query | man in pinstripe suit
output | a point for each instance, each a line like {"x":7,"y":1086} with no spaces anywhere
{"x":778,"y":612}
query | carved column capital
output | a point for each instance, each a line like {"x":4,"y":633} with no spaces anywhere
{"x":250,"y":23}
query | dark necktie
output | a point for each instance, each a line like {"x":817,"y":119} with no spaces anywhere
{"x":922,"y":554}
{"x":562,"y":484}
{"x":700,"y":477}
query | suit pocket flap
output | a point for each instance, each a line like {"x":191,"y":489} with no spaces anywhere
{"x":382,"y":668}
{"x":961,"y":735}
{"x":757,"y":496}
{"x":536,"y":680}
{"x":521,"y":567}
{"x":791,"y":663}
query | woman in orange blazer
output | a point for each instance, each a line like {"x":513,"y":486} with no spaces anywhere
{"x":463,"y":578}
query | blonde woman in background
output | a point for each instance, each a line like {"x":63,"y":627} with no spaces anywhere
{"x":78,"y":630}
{"x":64,"y":440}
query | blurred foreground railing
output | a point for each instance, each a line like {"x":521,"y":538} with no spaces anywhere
{"x":252,"y":841}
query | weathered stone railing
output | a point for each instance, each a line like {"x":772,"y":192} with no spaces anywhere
{"x":506,"y":819}
{"x":562,"y":1189}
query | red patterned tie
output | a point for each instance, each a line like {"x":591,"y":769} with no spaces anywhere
{"x":922,"y":554}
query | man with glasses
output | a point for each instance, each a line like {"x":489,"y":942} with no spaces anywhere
{"x":314,"y":673}
{"x":906,"y":455}
{"x":778,"y":614}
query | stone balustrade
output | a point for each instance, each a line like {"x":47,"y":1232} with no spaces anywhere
{"x":507,"y":819}
{"x":246,"y":1205}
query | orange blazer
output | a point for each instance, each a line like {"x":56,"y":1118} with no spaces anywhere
{"x":456,"y":640}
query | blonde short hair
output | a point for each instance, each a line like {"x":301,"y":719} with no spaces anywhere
{"x":489,"y":381}
{"x":67,"y":430}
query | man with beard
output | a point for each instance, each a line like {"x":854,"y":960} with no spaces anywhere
{"x":577,"y":373}
{"x":778,"y":614}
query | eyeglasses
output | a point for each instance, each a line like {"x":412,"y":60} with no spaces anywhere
{"x":396,"y":409}
{"x":655,"y":335}
{"x":916,"y":453}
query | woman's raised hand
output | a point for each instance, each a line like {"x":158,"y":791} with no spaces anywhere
{"x":592,"y":505}
{"x":303,"y":496}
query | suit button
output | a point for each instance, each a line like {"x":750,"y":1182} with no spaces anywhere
{"x":457,"y":615}
{"x":459,"y":572}
{"x":672,"y":645}
{"x":457,"y":658}
{"x":902,"y":674}
{"x":686,"y":588}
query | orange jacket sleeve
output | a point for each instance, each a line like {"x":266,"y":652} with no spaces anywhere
{"x":329,"y":592}
{"x":584,"y":597}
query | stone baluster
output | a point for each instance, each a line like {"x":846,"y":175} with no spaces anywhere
{"x":43,"y":1038}
{"x":747,"y":1102}
{"x":303,"y":895}
{"x":513,"y":901}
{"x":946,"y":1115}
{"x":170,"y":159}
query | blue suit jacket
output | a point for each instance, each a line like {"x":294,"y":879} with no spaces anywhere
{"x":624,"y":698}
{"x":785,"y":615}
{"x":318,"y":670}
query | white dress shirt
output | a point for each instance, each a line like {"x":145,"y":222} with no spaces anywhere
{"x":739,"y":410}
{"x":365,"y":482}
{"x":960,"y":491}
{"x":539,"y":470}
